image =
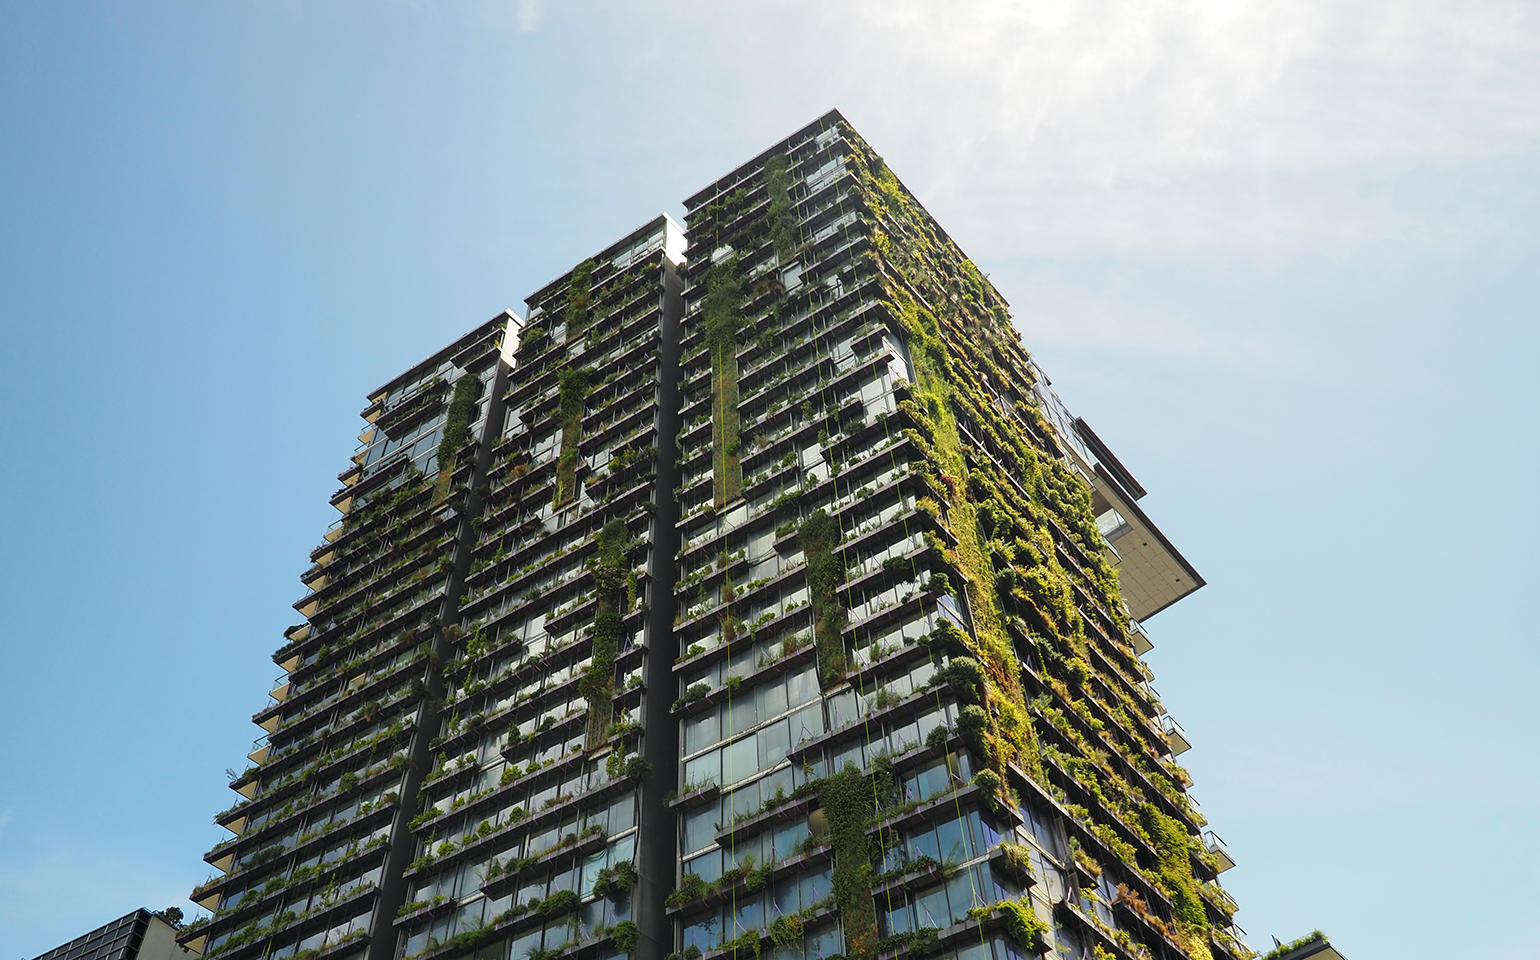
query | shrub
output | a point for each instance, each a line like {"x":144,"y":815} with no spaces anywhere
{"x":691,"y":888}
{"x":786,"y":930}
{"x":625,"y":934}
{"x":1023,"y":924}
{"x":623,"y":875}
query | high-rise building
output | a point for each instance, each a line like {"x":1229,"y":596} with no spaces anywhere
{"x":140,"y":935}
{"x":760,"y":598}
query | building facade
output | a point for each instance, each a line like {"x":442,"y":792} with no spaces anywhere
{"x":760,"y":598}
{"x":140,"y":935}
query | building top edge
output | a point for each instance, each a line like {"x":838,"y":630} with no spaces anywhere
{"x":607,"y":253}
{"x":700,"y":196}
{"x":135,"y":918}
{"x":440,"y":355}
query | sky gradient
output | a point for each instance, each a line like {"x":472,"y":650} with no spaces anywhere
{"x":1283,"y":257}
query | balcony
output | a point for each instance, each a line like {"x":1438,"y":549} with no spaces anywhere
{"x":259,"y":750}
{"x":1140,"y":639}
{"x":1175,"y":736}
{"x":1217,"y":847}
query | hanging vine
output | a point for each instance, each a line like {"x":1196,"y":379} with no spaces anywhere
{"x":825,"y":571}
{"x":611,"y":593}
{"x":573,"y":387}
{"x":579,"y":299}
{"x":846,"y":798}
{"x":457,"y":429}
{"x":723,"y":311}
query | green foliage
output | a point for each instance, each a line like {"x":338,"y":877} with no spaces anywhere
{"x":1314,"y":936}
{"x":579,"y":299}
{"x":1023,"y":925}
{"x":786,"y":930}
{"x":825,"y":572}
{"x":457,"y":422}
{"x":572,"y":388}
{"x":626,"y":935}
{"x":847,"y":803}
{"x":989,"y":782}
{"x":723,"y":312}
{"x":1017,"y":855}
{"x":598,"y":683}
{"x":560,"y":902}
{"x":744,"y":946}
{"x":783,"y":223}
{"x":920,"y":943}
{"x":637,"y":768}
{"x":1077,"y":671}
{"x":474,"y":937}
{"x":1173,"y":868}
{"x":691,"y":888}
{"x":966,"y":678}
{"x":1009,"y":735}
{"x":972,"y":723}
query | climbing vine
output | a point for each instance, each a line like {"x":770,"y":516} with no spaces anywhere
{"x":1173,"y":870}
{"x":783,"y":223}
{"x":1010,"y":738}
{"x":457,"y":428}
{"x":573,"y":387}
{"x":579,"y":299}
{"x":825,"y":571}
{"x":610,"y":573}
{"x":846,"y":798}
{"x":723,"y":311}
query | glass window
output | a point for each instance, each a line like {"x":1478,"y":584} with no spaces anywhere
{"x":700,"y":732}
{"x":740,"y":759}
{"x":774,"y":743}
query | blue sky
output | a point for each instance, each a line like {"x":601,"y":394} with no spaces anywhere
{"x":1283,"y":257}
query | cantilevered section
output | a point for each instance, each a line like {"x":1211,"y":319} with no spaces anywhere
{"x":1152,"y":573}
{"x":1314,"y":946}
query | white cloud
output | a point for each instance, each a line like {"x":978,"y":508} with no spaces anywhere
{"x":1093,"y":127}
{"x":527,"y":15}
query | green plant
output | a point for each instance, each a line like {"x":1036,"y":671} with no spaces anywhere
{"x":560,"y":902}
{"x":786,"y":930}
{"x":723,"y":313}
{"x":1023,"y":925}
{"x":625,"y":935}
{"x":740,"y":947}
{"x":609,"y":572}
{"x":990,"y":784}
{"x":690,"y":889}
{"x":783,"y":223}
{"x":846,"y":798}
{"x":623,"y":875}
{"x":457,"y":421}
{"x":1314,"y":936}
{"x":572,"y":387}
{"x":825,"y":572}
{"x":1173,"y":867}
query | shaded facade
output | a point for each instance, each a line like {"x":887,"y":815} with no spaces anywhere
{"x":770,"y":602}
{"x":140,"y":935}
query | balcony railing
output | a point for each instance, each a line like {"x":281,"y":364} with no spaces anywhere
{"x":1175,"y":736}
{"x":1217,"y":847}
